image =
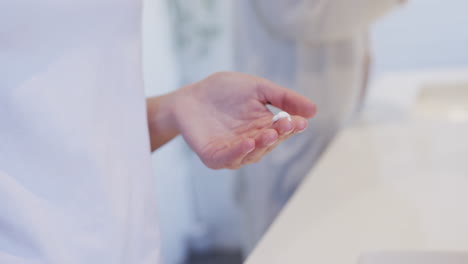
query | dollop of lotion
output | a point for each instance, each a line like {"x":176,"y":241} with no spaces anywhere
{"x":281,"y":115}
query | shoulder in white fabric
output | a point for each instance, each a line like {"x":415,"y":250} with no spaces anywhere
{"x":281,"y":115}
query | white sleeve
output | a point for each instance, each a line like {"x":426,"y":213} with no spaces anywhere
{"x":329,"y":20}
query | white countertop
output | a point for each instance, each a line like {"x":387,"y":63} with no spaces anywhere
{"x":391,"y":181}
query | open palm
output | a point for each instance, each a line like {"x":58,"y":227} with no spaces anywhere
{"x":225,"y":121}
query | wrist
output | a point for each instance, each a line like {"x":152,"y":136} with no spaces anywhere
{"x":162,"y":122}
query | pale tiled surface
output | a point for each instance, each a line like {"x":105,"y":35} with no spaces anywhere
{"x":389,"y":182}
{"x":414,"y":257}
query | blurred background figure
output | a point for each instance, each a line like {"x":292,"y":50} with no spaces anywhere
{"x":319,"y":48}
{"x":186,"y":40}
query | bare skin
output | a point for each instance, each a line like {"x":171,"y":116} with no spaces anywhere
{"x":224,"y":120}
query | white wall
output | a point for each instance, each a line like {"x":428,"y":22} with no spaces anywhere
{"x":424,"y":34}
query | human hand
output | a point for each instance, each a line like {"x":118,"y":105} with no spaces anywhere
{"x":223,"y":118}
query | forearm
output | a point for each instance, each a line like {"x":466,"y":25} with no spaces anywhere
{"x":161,"y":120}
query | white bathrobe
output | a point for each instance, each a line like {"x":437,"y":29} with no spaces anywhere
{"x":76,"y":184}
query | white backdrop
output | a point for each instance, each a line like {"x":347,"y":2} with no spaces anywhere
{"x":425,"y":34}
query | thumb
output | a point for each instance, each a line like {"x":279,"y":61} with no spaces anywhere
{"x":285,"y":99}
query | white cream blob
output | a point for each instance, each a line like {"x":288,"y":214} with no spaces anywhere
{"x":281,"y":115}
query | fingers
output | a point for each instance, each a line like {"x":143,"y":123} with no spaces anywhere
{"x":227,"y":156}
{"x":248,"y":151}
{"x":263,"y":140}
{"x":285,"y":99}
{"x":284,"y":129}
{"x":300,"y":124}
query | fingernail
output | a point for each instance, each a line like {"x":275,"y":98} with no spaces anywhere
{"x":301,"y":127}
{"x":249,"y":147}
{"x":270,"y":139}
{"x":289,"y":129}
{"x":249,"y":150}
